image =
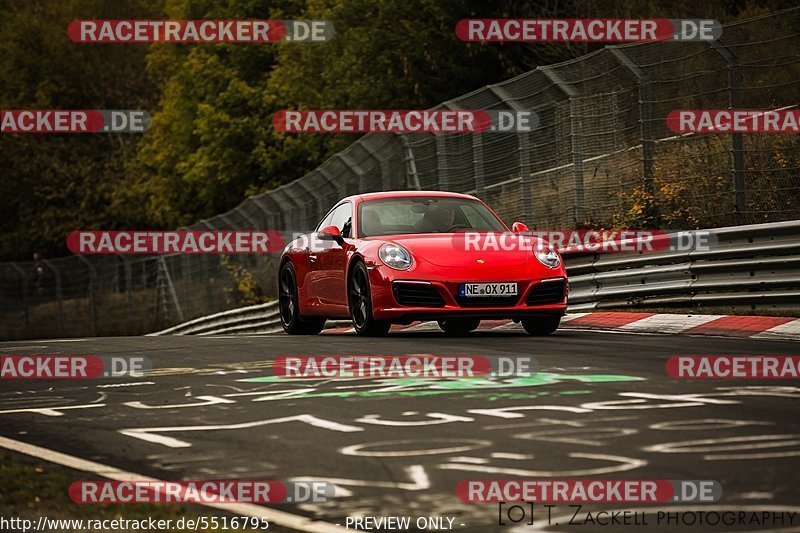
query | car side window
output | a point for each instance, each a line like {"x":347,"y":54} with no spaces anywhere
{"x":326,"y":221}
{"x":342,"y":218}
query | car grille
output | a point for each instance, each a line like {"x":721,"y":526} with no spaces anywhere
{"x":417,"y":295}
{"x":547,"y":293}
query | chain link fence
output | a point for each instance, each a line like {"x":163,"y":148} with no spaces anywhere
{"x":602,"y":156}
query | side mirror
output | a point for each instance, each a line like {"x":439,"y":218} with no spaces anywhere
{"x":331,"y":233}
{"x":519,"y":227}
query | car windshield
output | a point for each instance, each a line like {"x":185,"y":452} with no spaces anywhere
{"x":424,"y":214}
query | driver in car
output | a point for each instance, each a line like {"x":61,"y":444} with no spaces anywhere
{"x":440,"y":219}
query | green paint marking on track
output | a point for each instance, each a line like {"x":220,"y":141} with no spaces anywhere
{"x":416,"y":387}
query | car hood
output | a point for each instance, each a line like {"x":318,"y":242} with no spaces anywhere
{"x":452,"y":250}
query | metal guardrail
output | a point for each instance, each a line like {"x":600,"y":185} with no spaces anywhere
{"x":749,"y":267}
{"x":253,"y":320}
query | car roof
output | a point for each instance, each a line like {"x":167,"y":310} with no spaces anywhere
{"x":406,"y":194}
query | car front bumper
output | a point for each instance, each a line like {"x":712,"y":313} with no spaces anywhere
{"x":403,"y":297}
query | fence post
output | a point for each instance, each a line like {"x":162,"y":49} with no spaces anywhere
{"x":168,"y":285}
{"x":523,"y":155}
{"x":442,"y":172}
{"x":25,"y":302}
{"x":227,"y":220}
{"x":645,"y":117}
{"x":294,"y":211}
{"x":576,"y":139}
{"x":269,"y":217}
{"x":477,"y":164}
{"x":92,"y":302}
{"x":126,"y":265}
{"x":59,"y":296}
{"x":314,"y":194}
{"x":737,"y":143}
{"x":412,"y":178}
{"x":336,"y":183}
{"x":381,"y":163}
{"x":355,"y":167}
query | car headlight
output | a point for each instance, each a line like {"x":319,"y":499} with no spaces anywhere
{"x":547,"y":256}
{"x":395,"y":256}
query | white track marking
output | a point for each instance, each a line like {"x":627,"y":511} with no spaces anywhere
{"x":514,"y":456}
{"x":572,"y":316}
{"x":433,"y":419}
{"x":789,"y":331}
{"x":714,"y":449}
{"x":665,"y":323}
{"x":424,"y":326}
{"x":416,"y":473}
{"x":623,"y":464}
{"x":471,"y":444}
{"x":153,"y":434}
{"x":511,"y":412}
{"x":206,"y":400}
{"x":281,"y":518}
{"x":51,"y":411}
{"x":114,"y":385}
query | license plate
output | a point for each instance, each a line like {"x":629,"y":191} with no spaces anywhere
{"x":473,"y":290}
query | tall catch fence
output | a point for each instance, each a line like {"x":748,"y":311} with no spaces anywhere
{"x":601,"y":157}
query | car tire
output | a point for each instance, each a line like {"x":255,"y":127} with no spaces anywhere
{"x":359,"y":302}
{"x":459,"y":326}
{"x":289,"y":307}
{"x":542,"y":325}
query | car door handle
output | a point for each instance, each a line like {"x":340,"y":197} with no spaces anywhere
{"x":312,"y":258}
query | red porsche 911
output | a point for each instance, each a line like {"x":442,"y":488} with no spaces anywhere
{"x":398,"y":257}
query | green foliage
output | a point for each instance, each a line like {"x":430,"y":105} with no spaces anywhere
{"x":54,"y":184}
{"x":211,"y":142}
{"x":247,"y":290}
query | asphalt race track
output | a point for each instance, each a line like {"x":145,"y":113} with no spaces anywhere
{"x":601,"y":406}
